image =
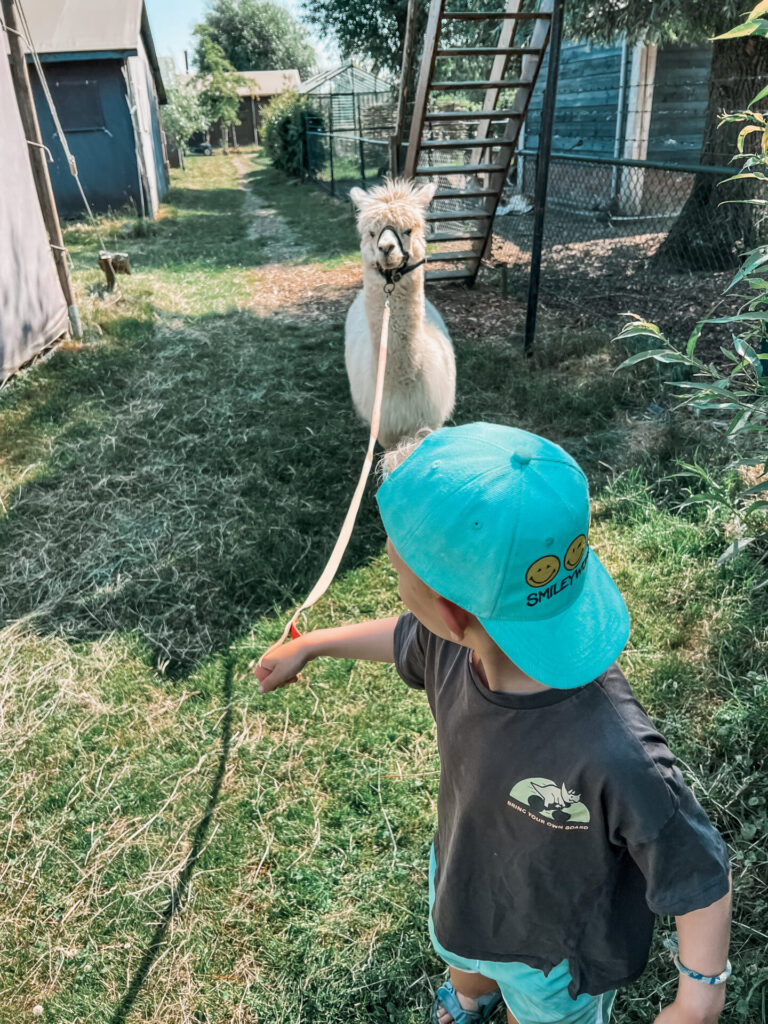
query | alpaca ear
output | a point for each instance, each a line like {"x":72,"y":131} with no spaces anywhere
{"x":359,"y":198}
{"x":425,"y":194}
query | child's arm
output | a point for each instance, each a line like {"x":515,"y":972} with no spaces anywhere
{"x":703,"y":937}
{"x":369,"y":641}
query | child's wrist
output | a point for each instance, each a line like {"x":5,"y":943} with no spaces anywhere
{"x":702,"y":1003}
{"x":310,"y":646}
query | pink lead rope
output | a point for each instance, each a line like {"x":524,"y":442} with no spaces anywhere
{"x":331,"y":568}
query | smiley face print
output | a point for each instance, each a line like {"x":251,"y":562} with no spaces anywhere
{"x":543,"y":571}
{"x":574,"y":553}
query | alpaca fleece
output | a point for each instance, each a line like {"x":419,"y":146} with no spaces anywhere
{"x":420,"y":380}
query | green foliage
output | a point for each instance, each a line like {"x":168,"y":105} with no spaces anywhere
{"x":371,"y":29}
{"x":679,"y":21}
{"x":374,"y":32}
{"x":737,"y":388}
{"x":219,"y":97}
{"x":283,"y":124}
{"x":256,"y":35}
{"x":183,"y":115}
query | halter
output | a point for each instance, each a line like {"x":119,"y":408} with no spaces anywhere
{"x":394,"y":275}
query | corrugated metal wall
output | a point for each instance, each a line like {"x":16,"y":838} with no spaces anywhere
{"x":587,"y":98}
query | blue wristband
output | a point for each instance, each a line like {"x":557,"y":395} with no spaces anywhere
{"x":708,"y":979}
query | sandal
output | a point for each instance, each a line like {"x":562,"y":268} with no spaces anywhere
{"x":446,"y":997}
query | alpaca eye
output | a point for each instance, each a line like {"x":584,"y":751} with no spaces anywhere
{"x":408,"y":231}
{"x":372,"y":233}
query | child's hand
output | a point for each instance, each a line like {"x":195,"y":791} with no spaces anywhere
{"x":282,"y":666}
{"x":702,"y":1009}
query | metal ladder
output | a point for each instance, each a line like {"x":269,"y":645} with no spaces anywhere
{"x":470,"y":183}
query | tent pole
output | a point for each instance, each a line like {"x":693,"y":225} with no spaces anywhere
{"x":37,"y":151}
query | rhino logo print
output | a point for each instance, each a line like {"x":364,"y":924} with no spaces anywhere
{"x":554,"y":797}
{"x":552,"y":803}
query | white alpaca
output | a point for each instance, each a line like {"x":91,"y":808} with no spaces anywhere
{"x":420,"y":381}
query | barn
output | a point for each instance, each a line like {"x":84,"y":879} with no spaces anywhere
{"x":33,"y":310}
{"x":102,"y":70}
{"x":260,"y":87}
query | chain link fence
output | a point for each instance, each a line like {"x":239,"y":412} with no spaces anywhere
{"x":347,"y":140}
{"x":340,"y":161}
{"x":620,"y":232}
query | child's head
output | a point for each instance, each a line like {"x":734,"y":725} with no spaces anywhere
{"x":495,"y":521}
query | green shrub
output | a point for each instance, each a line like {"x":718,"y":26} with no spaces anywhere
{"x":285,"y":121}
{"x":738,"y":389}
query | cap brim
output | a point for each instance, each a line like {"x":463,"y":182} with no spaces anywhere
{"x":572,"y":648}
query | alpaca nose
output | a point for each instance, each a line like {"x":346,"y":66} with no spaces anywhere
{"x":386,"y":249}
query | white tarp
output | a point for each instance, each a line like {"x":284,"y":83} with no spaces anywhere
{"x":79,"y":26}
{"x":33,"y":312}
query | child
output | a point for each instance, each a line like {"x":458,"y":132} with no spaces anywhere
{"x":563,"y":824}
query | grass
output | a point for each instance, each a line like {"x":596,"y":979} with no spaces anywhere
{"x":179,"y":849}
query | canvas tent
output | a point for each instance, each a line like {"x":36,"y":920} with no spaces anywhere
{"x":33,"y":311}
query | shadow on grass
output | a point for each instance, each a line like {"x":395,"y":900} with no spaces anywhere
{"x":206,"y":227}
{"x":193,"y":478}
{"x":181,"y":889}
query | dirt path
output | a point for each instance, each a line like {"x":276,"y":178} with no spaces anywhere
{"x":291,"y":291}
{"x":302,"y":291}
{"x":265,"y":222}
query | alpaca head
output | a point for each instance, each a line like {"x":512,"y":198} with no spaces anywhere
{"x":397,"y":204}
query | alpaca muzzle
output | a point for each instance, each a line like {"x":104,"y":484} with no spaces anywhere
{"x":392,"y":275}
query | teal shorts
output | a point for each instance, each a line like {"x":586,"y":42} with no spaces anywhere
{"x":531,"y":996}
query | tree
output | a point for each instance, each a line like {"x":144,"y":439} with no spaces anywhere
{"x":371,"y":29}
{"x":255,"y":35}
{"x":183,"y":115}
{"x":374,"y":31}
{"x":219,"y":83}
{"x":706,"y":234}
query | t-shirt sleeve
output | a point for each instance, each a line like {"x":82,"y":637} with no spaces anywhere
{"x":410,"y":650}
{"x":685,"y":865}
{"x":655,"y":816}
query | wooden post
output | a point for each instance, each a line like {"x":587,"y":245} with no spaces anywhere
{"x":406,"y":88}
{"x":431,"y":37}
{"x":26,"y":103}
{"x":640,"y":106}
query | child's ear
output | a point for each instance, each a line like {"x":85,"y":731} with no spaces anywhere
{"x":454,"y":617}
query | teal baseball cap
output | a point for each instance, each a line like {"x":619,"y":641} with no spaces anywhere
{"x":496,"y":520}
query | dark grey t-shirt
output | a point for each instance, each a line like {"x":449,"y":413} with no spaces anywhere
{"x":563,"y":823}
